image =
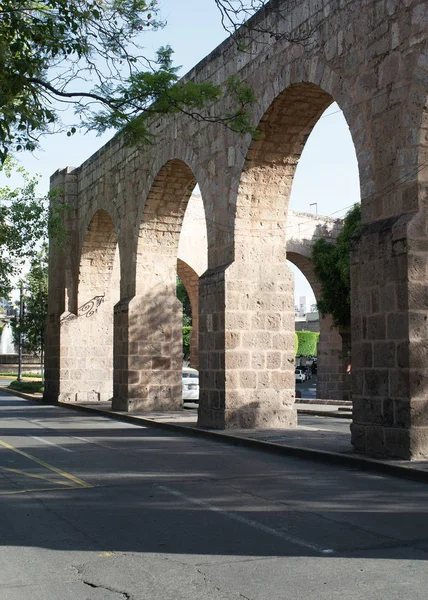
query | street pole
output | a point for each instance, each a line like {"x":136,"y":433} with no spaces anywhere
{"x":21,"y":321}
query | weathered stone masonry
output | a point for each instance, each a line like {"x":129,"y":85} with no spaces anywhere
{"x":370,"y":56}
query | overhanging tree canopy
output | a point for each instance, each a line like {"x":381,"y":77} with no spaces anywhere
{"x":87,"y":52}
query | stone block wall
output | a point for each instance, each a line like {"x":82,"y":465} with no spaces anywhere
{"x":252,"y":351}
{"x":147,"y":353}
{"x":334,"y":363}
{"x":390,"y":338}
{"x":87,"y":356}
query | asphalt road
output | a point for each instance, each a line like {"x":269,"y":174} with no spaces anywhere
{"x":95,"y":509}
{"x":308,"y":388}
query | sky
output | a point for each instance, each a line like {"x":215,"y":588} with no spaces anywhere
{"x":327,"y":172}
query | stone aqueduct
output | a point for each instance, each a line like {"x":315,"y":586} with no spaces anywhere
{"x":127,"y":207}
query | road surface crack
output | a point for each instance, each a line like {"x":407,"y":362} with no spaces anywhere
{"x":124,"y":595}
{"x":223,"y":593}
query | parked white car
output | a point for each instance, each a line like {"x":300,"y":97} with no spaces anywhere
{"x":190,"y":381}
{"x":300,"y":375}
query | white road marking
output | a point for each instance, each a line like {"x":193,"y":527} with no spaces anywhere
{"x":99,"y":444}
{"x":245,"y":521}
{"x":51,"y":443}
{"x":309,"y":428}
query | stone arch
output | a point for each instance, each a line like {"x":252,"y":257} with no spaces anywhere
{"x":151,"y":321}
{"x":304,"y":264}
{"x":304,"y":90}
{"x":269,"y":168}
{"x":258,"y":292}
{"x":161,"y":222}
{"x":87,"y":362}
{"x":99,"y":272}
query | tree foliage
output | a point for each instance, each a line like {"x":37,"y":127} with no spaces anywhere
{"x":25,"y":220}
{"x":183,"y":296}
{"x":332,"y":267}
{"x":187,"y":330}
{"x":307,"y":343}
{"x":35,"y":299}
{"x":87,"y":53}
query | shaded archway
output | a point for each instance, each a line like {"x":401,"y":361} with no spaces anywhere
{"x":87,"y":365}
{"x":149,"y":357}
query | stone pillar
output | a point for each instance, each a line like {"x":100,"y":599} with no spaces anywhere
{"x":389,"y":335}
{"x":333,"y":374}
{"x":346,"y":365}
{"x":247,"y":344}
{"x":62,"y":280}
{"x":148,"y":353}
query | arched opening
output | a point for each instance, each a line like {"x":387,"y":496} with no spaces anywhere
{"x":153,"y":374}
{"x":305,"y":321}
{"x":161,"y":224}
{"x":331,"y":378}
{"x":327,"y":183}
{"x":259,"y":318}
{"x":190,"y":280}
{"x":89,"y":357}
{"x":192,"y":263}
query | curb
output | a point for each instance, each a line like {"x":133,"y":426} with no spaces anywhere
{"x":38,"y":399}
{"x":324,"y":413}
{"x":346,"y":403}
{"x":351,"y":461}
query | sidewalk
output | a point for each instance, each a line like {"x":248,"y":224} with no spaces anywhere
{"x":319,"y":436}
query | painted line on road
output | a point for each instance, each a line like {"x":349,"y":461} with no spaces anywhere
{"x":39,"y":439}
{"x":49,"y":489}
{"x":64,"y":474}
{"x":309,"y":428}
{"x":34,"y":476}
{"x":99,"y":444}
{"x":246,"y":521}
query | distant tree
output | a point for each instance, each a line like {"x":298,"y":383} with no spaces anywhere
{"x":35,"y":305}
{"x":183,"y":296}
{"x":36,"y":302}
{"x":25,"y":221}
{"x":332,"y":267}
{"x":187,"y":330}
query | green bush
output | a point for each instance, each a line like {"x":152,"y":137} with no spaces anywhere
{"x":307,"y":343}
{"x":187,"y":330}
{"x":27,"y":386}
